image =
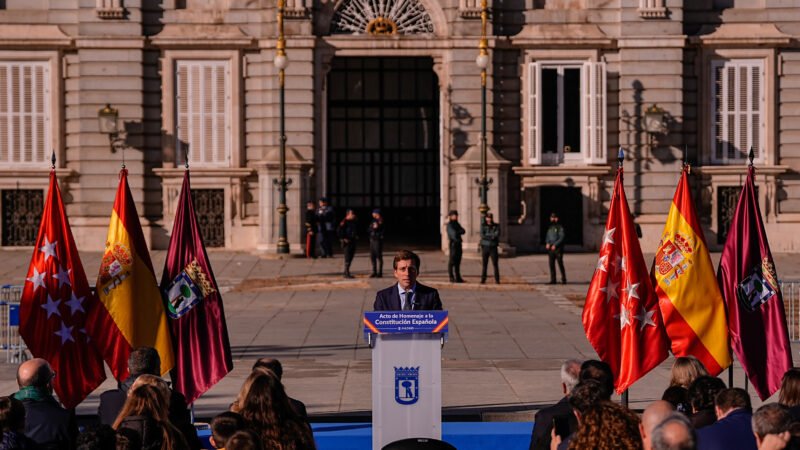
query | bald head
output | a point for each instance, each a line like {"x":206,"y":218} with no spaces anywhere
{"x":652,"y":416}
{"x":674,"y":433}
{"x":36,"y":373}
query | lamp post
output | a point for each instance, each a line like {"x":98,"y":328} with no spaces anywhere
{"x":281,"y":62}
{"x":107,"y":118}
{"x":482,"y":61}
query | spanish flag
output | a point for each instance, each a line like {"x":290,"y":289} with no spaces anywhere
{"x":132,"y":313}
{"x":688,"y":295}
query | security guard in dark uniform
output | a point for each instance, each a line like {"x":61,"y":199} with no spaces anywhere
{"x":348,"y":234}
{"x":554,"y":243}
{"x":454,"y":233}
{"x":376,"y":244}
{"x":490,"y":239}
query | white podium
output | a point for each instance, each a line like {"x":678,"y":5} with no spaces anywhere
{"x":406,"y":374}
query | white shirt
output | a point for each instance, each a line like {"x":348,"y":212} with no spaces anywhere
{"x":402,"y":292}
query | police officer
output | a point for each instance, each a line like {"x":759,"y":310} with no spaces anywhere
{"x":554,"y":244}
{"x":348,"y":234}
{"x":454,"y":232}
{"x":325,"y":227}
{"x":376,"y":244}
{"x":490,"y":239}
{"x":311,"y":230}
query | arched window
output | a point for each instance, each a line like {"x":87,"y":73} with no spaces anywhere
{"x":382,"y":17}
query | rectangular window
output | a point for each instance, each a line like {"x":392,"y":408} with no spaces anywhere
{"x":203,"y":113}
{"x":738,"y":110}
{"x":566,"y":113}
{"x":25,"y":112}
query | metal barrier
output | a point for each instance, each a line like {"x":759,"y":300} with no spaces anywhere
{"x":10,"y":340}
{"x":791,"y":303}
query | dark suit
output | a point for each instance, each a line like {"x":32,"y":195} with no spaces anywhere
{"x":543,"y":423}
{"x":734,"y":431}
{"x":425,"y":298}
{"x":49,"y":425}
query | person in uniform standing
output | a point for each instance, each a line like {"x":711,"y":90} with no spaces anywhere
{"x":376,"y":244}
{"x":490,"y":239}
{"x":454,"y":233}
{"x":554,"y":244}
{"x":348,"y":234}
{"x":311,"y":230}
{"x":325,"y":223}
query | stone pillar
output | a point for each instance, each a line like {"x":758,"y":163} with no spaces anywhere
{"x":467,"y":169}
{"x":298,"y":192}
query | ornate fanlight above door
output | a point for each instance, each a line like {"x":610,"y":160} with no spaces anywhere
{"x":382,"y":18}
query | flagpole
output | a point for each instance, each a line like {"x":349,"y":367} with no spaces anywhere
{"x":620,"y":160}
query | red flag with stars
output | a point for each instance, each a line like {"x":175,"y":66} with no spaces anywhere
{"x":621,"y":315}
{"x":54,"y":305}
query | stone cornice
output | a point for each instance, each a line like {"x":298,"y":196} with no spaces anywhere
{"x":742,"y":35}
{"x":652,"y":42}
{"x":741,"y":170}
{"x":564,"y":35}
{"x":110,"y":42}
{"x":534,"y":176}
{"x":33,"y":172}
{"x":17,"y":35}
{"x":202,"y":36}
{"x":204,"y":172}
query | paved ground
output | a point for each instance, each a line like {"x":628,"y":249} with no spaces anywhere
{"x":501,"y":362}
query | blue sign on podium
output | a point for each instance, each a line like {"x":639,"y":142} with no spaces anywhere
{"x":404,"y":322}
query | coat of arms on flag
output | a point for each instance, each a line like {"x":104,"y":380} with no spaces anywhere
{"x":406,"y":385}
{"x":758,"y":287}
{"x":187,"y":289}
{"x":674,"y":257}
{"x":115,"y":267}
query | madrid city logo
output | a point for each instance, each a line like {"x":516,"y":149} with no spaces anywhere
{"x":758,"y":287}
{"x":406,"y":385}
{"x":187,"y":289}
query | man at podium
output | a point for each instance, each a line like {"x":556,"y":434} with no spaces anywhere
{"x":407,"y":294}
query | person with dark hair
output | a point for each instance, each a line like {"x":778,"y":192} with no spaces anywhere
{"x":145,"y":361}
{"x":325,"y":222}
{"x":48,"y":424}
{"x":733,"y":427}
{"x":277,"y":368}
{"x":772,"y":418}
{"x":454,"y":233}
{"x":587,"y":394}
{"x":12,"y":425}
{"x":311,"y":230}
{"x":554,"y":244}
{"x":266,"y":410}
{"x":100,"y":437}
{"x":599,"y":371}
{"x":678,"y":396}
{"x":244,"y":440}
{"x":223,"y":426}
{"x":145,"y":421}
{"x":407,"y":294}
{"x":490,"y":240}
{"x":348,"y":234}
{"x":701,"y":398}
{"x":543,"y":422}
{"x":674,"y":433}
{"x":790,"y":392}
{"x":607,"y":425}
{"x":376,"y":244}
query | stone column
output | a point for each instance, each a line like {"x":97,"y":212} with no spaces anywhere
{"x":467,"y":169}
{"x":298,"y":192}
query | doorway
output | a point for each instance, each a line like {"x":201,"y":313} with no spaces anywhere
{"x":567,"y":203}
{"x":383,"y":144}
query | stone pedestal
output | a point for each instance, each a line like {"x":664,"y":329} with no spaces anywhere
{"x":297,"y":193}
{"x":467,"y":169}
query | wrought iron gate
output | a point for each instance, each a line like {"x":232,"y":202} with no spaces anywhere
{"x":22,"y":212}
{"x":209,"y":205}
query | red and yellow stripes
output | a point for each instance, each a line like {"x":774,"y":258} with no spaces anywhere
{"x":689,"y":297}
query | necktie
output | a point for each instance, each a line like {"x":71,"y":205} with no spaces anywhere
{"x":407,"y":305}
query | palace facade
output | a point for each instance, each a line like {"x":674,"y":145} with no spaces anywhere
{"x":383,"y":109}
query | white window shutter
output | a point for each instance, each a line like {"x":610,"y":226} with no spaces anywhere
{"x":738,"y":110}
{"x":534,"y":114}
{"x":24,"y":112}
{"x":202,"y":112}
{"x":593,"y":113}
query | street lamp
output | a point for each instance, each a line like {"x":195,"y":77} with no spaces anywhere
{"x":482,"y":61}
{"x":281,"y":63}
{"x":107,"y":123}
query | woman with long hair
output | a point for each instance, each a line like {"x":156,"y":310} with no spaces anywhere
{"x":685,"y":370}
{"x":607,"y":426}
{"x":790,"y":392}
{"x":266,"y":409}
{"x":144,"y":419}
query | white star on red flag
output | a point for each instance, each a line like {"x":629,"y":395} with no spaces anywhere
{"x":65,"y":333}
{"x":37,"y":279}
{"x":63,"y":277}
{"x":601,"y":263}
{"x":608,"y":236}
{"x":624,"y":317}
{"x":630,"y":290}
{"x":645,"y":318}
{"x":75,"y":304}
{"x":51,"y":307}
{"x":49,"y":249}
{"x":610,"y":290}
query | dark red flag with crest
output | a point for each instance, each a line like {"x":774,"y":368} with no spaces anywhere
{"x":55,"y":302}
{"x":749,"y":284}
{"x":621,"y":315}
{"x":194,"y":306}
